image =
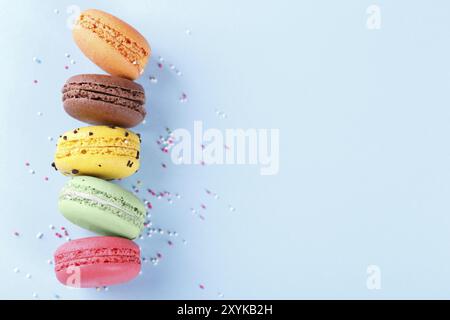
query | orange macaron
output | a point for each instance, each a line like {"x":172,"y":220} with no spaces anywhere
{"x":111,"y":44}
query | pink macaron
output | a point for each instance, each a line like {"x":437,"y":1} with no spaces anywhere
{"x":97,"y":261}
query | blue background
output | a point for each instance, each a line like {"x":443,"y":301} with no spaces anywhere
{"x":364,"y":159}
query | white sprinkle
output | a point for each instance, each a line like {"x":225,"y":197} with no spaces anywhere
{"x":67,"y":55}
{"x":72,"y":61}
{"x":188,"y":32}
{"x":51,"y":227}
{"x":153,"y":79}
{"x":50,"y":261}
{"x":39,"y":113}
{"x":56,"y":11}
{"x":56,"y":296}
{"x":144,"y":121}
{"x":68,"y":239}
{"x":35,"y":295}
{"x":39,"y":235}
{"x":161,"y":59}
{"x":32,"y":171}
{"x":50,"y":138}
{"x":37,"y":60}
{"x":28,"y":276}
{"x":16,"y":270}
{"x":172,"y":67}
{"x":179,"y":73}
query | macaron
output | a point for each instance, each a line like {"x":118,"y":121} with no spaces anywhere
{"x":102,"y":207}
{"x":97,"y":261}
{"x":111,"y":43}
{"x":107,"y":152}
{"x":104,"y":100}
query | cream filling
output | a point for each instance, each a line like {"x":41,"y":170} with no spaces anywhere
{"x":97,"y":200}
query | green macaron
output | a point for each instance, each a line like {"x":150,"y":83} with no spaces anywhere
{"x":102,"y":207}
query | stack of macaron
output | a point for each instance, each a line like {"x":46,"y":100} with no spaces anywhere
{"x":105,"y":151}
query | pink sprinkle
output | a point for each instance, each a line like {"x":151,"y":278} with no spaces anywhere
{"x":163,"y":165}
{"x":151,"y":192}
{"x":27,"y":164}
{"x":149,"y":205}
{"x":46,"y":178}
{"x":170,"y":243}
{"x":59,"y":235}
{"x":159,"y":255}
{"x":203,"y":206}
{"x":66,"y":67}
{"x":160,"y":65}
{"x":202,"y":217}
{"x":16,"y":234}
{"x":207,"y":191}
{"x":202,"y":163}
{"x":201,"y":286}
{"x":35,"y":81}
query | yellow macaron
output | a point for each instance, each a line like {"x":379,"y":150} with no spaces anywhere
{"x":106,"y":152}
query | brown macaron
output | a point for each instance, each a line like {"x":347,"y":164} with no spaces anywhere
{"x":111,"y":43}
{"x":104,"y":100}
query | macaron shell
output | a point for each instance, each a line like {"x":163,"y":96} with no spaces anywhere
{"x":99,"y":151}
{"x":97,"y":261}
{"x":92,"y":276}
{"x":104,"y":52}
{"x":100,"y":218}
{"x":101,"y":113}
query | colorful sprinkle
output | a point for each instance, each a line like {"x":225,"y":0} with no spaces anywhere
{"x":183,"y":98}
